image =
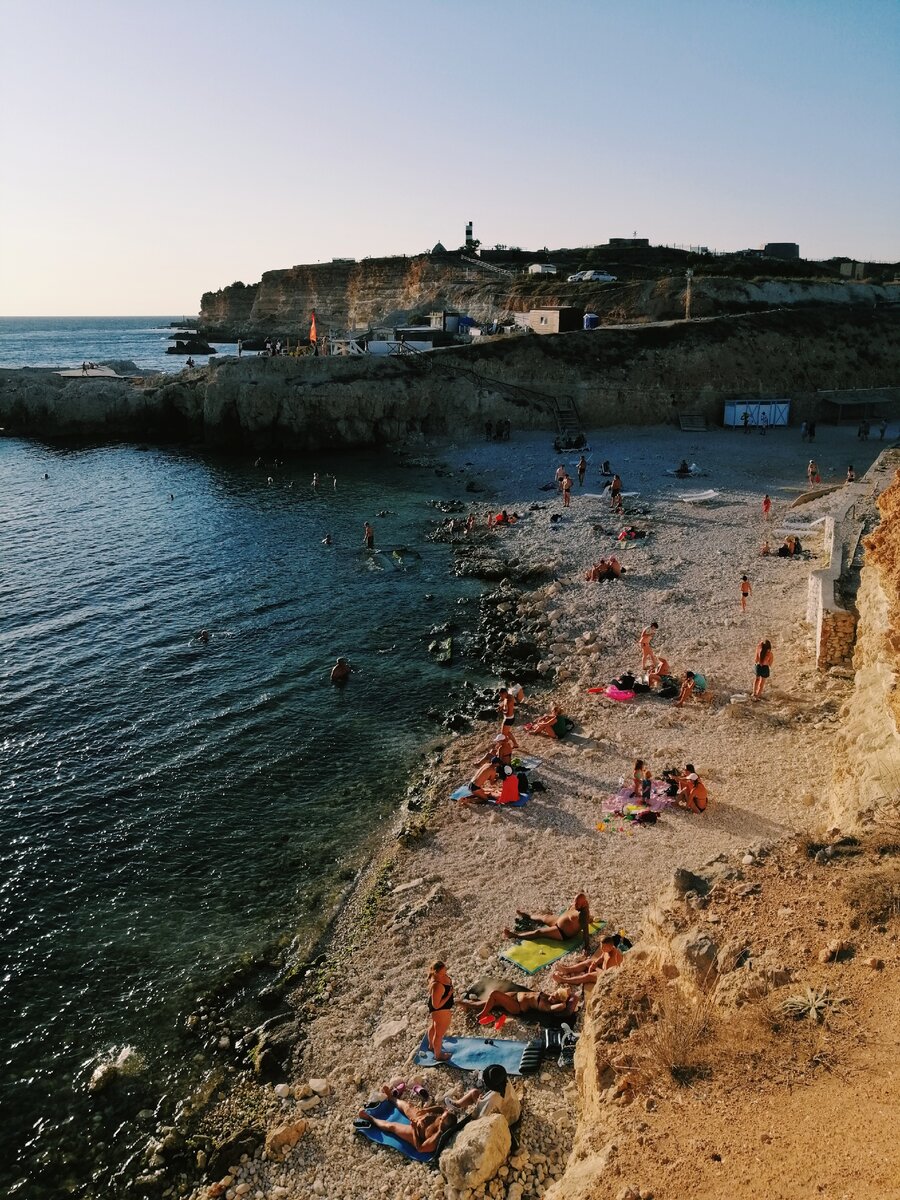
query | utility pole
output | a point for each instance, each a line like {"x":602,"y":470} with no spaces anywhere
{"x":688,"y":275}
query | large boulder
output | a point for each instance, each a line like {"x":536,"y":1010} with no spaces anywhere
{"x":477,"y":1154}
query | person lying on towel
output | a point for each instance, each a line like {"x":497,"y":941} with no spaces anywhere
{"x":587,"y":969}
{"x":427,"y":1123}
{"x":561,"y":1002}
{"x":555,"y":926}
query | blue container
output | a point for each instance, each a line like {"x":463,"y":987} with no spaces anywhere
{"x":591,"y":320}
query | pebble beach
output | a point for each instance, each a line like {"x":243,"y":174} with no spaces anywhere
{"x":449,"y":885}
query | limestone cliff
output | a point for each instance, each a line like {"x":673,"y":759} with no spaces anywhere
{"x":867,"y":758}
{"x":643,"y":374}
{"x":388,"y":291}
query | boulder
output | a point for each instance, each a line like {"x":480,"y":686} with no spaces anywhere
{"x":230,"y":1149}
{"x":388,"y":1030}
{"x":700,"y":953}
{"x":283,"y":1138}
{"x":478,"y":1152}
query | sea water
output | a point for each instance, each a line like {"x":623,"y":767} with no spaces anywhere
{"x":168,"y":804}
{"x":70,"y":341}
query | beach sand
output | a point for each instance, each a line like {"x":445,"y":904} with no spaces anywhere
{"x":767,"y":767}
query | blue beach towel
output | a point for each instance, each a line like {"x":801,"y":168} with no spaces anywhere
{"x":462,"y":792}
{"x":474,"y":1054}
{"x":388,"y":1111}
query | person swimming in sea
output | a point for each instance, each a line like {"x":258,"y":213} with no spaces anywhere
{"x":340,"y":672}
{"x":202,"y":636}
{"x":326,"y":540}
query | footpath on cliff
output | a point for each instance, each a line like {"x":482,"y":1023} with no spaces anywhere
{"x":450,"y":885}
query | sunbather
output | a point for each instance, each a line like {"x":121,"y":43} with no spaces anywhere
{"x":426,"y":1124}
{"x":525,"y":1004}
{"x":496,"y":1095}
{"x":557,"y":926}
{"x":688,"y":683}
{"x":585,"y":970}
{"x":553,"y":725}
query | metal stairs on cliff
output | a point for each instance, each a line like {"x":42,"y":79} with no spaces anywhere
{"x":500,"y":272}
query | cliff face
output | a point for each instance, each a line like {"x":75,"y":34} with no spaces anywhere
{"x":867,"y":758}
{"x":642,"y":374}
{"x":387,"y":291}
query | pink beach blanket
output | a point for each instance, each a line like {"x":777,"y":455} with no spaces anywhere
{"x":659,"y":800}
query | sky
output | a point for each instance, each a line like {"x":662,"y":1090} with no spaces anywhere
{"x":153,"y":151}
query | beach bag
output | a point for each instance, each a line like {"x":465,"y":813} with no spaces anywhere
{"x":669,"y":692}
{"x":509,"y":792}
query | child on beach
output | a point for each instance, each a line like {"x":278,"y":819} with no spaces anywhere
{"x":637,"y":779}
{"x":766,"y":506}
{"x":646,"y":785}
{"x":566,"y":489}
{"x":440,"y":1006}
{"x":746,"y":592}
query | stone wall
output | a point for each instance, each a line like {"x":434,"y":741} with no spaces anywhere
{"x":835,"y":625}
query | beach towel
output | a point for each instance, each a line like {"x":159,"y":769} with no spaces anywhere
{"x":534,"y":954}
{"x":474,"y":1054}
{"x":462,"y":792}
{"x":624,"y":799}
{"x":388,"y":1111}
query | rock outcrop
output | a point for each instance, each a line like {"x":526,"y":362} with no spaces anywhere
{"x":390,"y":291}
{"x":643,"y":374}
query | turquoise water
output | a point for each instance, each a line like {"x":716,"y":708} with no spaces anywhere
{"x":167,"y":805}
{"x":69,"y":341}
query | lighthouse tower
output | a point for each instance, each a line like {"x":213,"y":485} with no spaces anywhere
{"x":470,"y":241}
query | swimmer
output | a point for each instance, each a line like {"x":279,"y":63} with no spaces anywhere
{"x":171,"y":495}
{"x":270,"y":481}
{"x":203,"y":636}
{"x":315,"y":479}
{"x":326,"y":540}
{"x":582,"y":468}
{"x":368,"y":537}
{"x":340,"y":672}
{"x":746,"y":592}
{"x":46,"y":476}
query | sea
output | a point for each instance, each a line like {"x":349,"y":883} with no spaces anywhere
{"x":171,"y":807}
{"x":70,"y":341}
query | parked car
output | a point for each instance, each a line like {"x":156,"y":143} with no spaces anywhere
{"x":592,"y":277}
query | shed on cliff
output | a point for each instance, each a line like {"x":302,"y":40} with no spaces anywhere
{"x":555,"y":319}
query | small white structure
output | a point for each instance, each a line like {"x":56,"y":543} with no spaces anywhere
{"x":770,"y":413}
{"x":541,"y":269}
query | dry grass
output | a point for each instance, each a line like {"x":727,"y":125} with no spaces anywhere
{"x":874,"y":895}
{"x":676,"y":1045}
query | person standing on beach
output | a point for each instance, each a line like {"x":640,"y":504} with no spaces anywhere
{"x":764,"y":660}
{"x":582,"y":467}
{"x":812,"y":471}
{"x":560,"y":472}
{"x":615,"y":494}
{"x":746,"y":592}
{"x":440,"y":1006}
{"x":566,"y":489}
{"x":240,"y":347}
{"x":507,"y":708}
{"x":648,"y":658}
{"x":766,"y":506}
{"x":368,"y":536}
{"x":851,"y":474}
{"x":763,"y":424}
{"x":804,"y":432}
{"x":882,"y":429}
{"x":745,"y":420}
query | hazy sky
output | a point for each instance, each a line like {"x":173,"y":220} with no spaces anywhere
{"x":153,"y":151}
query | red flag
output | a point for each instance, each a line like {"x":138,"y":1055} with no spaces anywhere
{"x":313,"y":337}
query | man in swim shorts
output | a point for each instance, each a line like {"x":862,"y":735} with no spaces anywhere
{"x":368,"y":537}
{"x":507,"y":708}
{"x":477,"y":792}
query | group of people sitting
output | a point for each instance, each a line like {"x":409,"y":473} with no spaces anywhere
{"x":685,"y":787}
{"x":661,"y":682}
{"x":429,"y":1120}
{"x":604,"y":568}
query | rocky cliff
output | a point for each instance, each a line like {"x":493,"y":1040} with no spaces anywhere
{"x":388,"y":291}
{"x":641,"y":374}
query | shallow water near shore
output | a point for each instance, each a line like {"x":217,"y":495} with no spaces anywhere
{"x":168,"y":805}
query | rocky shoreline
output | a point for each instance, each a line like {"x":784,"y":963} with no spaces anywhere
{"x":442,"y":880}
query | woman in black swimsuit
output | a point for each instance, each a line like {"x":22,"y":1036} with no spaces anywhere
{"x":440,"y":1005}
